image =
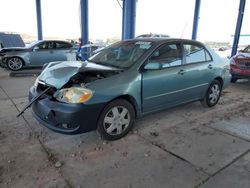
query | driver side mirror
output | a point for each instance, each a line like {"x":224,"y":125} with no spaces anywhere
{"x":36,"y":48}
{"x":152,"y":65}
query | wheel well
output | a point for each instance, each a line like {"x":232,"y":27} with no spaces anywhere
{"x":16,"y":57}
{"x":130,"y":99}
{"x":220,"y":80}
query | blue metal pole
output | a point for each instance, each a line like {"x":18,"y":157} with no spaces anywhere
{"x":39,"y":20}
{"x":196,"y":19}
{"x":123,"y":19}
{"x":238,"y":27}
{"x":84,"y":26}
{"x":129,"y":14}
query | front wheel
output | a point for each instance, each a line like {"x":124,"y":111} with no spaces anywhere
{"x":116,"y":119}
{"x":15,"y":63}
{"x":213,"y":94}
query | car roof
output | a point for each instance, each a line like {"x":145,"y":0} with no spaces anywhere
{"x":164,"y":40}
{"x":52,"y":41}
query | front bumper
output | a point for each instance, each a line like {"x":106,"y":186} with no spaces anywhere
{"x":240,"y":73}
{"x":65,"y":118}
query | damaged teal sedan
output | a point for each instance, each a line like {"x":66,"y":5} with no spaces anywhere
{"x":126,"y":81}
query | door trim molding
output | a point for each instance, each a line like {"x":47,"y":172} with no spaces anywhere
{"x":177,"y":91}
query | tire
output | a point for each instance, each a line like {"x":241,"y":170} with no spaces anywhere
{"x":15,"y":63}
{"x":116,"y":120}
{"x":213,"y":94}
{"x":233,"y":79}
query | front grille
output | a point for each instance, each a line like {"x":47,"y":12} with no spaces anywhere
{"x":243,"y":64}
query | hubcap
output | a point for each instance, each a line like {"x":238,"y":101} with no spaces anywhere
{"x":15,"y":63}
{"x":116,"y":120}
{"x":214,"y":93}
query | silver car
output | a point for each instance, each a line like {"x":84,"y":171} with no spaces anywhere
{"x":37,"y":54}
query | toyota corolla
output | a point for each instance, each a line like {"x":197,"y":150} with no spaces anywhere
{"x":126,"y":81}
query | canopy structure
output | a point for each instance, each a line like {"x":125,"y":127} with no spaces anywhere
{"x":129,"y":17}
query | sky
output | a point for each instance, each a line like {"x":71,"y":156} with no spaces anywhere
{"x":60,"y":18}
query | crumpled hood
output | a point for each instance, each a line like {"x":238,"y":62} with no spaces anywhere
{"x":57,"y":74}
{"x":12,"y":49}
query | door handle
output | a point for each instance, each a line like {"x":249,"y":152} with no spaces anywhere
{"x":181,"y":72}
{"x":51,"y":51}
{"x":210,"y":66}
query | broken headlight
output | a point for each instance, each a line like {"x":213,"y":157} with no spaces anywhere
{"x":74,"y":95}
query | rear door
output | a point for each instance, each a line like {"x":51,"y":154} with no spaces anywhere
{"x":197,"y":70}
{"x":64,"y":51}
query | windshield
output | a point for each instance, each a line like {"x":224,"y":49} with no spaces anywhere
{"x":247,"y":49}
{"x":121,"y":55}
{"x":32,"y":44}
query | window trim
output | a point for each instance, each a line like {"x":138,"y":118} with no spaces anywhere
{"x":178,"y":44}
{"x":198,"y":45}
{"x":46,"y":42}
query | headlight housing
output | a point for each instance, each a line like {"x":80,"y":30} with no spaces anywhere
{"x":36,"y":82}
{"x":74,"y":95}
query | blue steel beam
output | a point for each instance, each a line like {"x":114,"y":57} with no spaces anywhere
{"x":84,"y":25}
{"x":196,"y":19}
{"x":238,"y":27}
{"x":39,"y":20}
{"x":128,"y":20}
{"x":123,"y":19}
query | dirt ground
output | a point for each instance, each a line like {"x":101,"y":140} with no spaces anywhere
{"x":182,"y":147}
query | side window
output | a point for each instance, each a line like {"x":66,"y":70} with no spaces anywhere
{"x":195,"y":53}
{"x":167,"y":55}
{"x":42,"y":46}
{"x":63,"y":45}
{"x":50,"y":45}
{"x":45,"y":45}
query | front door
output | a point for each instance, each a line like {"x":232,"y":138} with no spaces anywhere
{"x":161,"y":85}
{"x":43,"y":53}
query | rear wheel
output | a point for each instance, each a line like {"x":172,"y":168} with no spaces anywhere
{"x":116,"y":119}
{"x":15,"y":63}
{"x":213,"y":94}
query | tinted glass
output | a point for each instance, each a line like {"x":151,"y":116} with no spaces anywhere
{"x":195,"y":53}
{"x":63,"y":45}
{"x":122,"y":54}
{"x":167,"y":55}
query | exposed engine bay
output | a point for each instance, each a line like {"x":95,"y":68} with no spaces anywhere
{"x":84,"y":78}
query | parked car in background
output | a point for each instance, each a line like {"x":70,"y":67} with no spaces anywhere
{"x":240,"y":65}
{"x":88,"y":50}
{"x":151,"y":35}
{"x":125,"y":81}
{"x":10,"y":40}
{"x":37,"y":54}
